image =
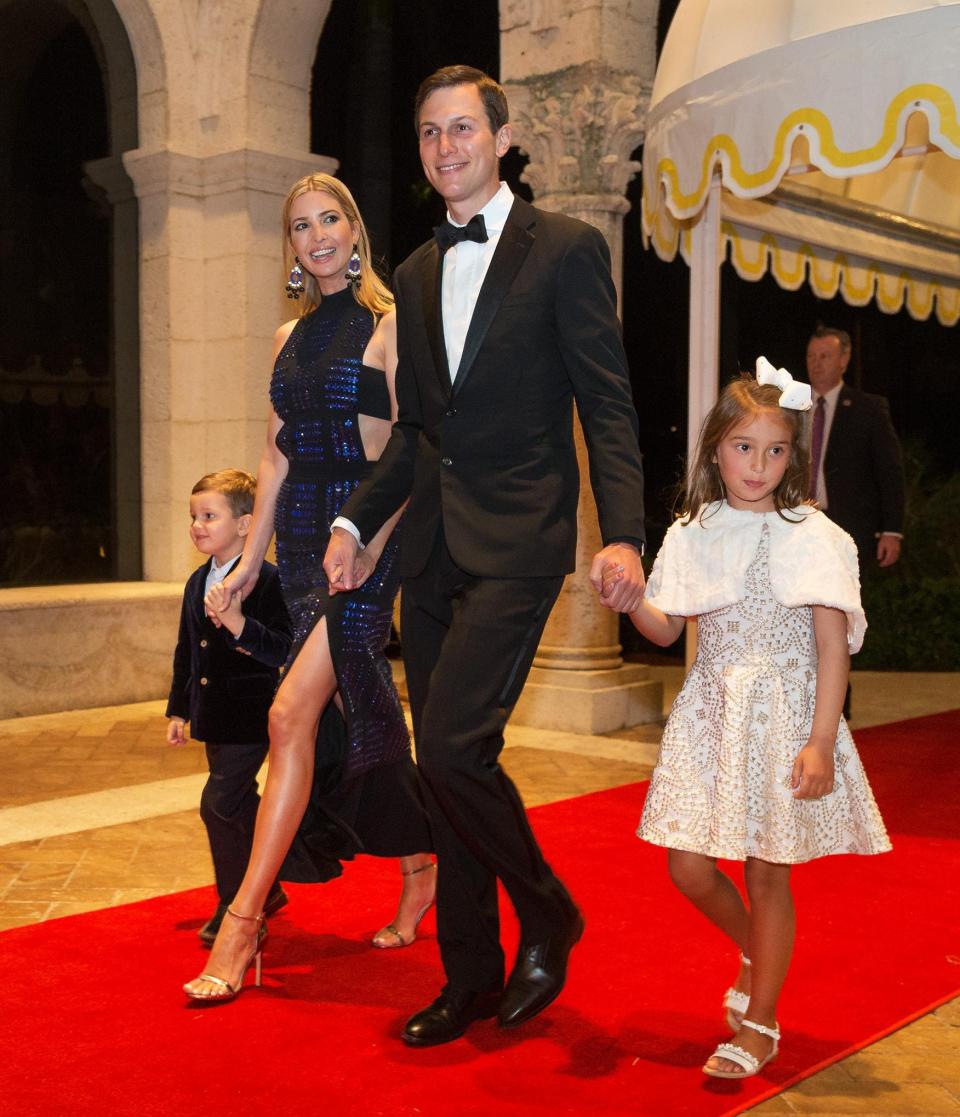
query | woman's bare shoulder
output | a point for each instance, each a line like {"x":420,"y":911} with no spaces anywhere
{"x":283,"y":332}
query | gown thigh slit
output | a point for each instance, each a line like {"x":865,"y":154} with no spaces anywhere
{"x":366,"y":795}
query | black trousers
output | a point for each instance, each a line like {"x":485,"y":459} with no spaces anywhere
{"x":228,"y":807}
{"x":468,"y":643}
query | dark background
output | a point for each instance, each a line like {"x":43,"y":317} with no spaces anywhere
{"x":54,"y":277}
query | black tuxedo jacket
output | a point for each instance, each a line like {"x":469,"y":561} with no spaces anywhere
{"x":493,"y":458}
{"x":863,"y":470}
{"x":223,"y":686}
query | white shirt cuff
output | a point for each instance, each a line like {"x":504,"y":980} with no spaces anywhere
{"x":348,"y":525}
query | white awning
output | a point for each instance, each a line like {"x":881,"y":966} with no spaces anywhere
{"x":807,"y":104}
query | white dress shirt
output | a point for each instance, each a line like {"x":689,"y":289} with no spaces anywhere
{"x":464,"y":270}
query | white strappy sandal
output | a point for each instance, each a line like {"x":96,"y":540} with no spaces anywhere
{"x":736,"y":1054}
{"x":736,"y":1003}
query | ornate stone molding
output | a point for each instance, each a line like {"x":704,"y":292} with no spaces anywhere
{"x":579,"y":127}
{"x":164,"y":171}
{"x":111,"y":177}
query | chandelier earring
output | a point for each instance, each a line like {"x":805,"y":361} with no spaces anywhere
{"x":352,"y":273}
{"x":295,"y":285}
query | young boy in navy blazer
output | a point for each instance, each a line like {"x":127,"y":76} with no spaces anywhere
{"x":225,"y":672}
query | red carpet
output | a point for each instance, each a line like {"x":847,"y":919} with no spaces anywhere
{"x":92,"y":1022}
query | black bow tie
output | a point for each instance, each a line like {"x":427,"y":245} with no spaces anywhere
{"x":448,"y":235}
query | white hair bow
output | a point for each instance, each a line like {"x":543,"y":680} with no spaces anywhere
{"x":793,"y":394}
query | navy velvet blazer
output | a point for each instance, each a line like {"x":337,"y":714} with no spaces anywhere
{"x":223,"y":686}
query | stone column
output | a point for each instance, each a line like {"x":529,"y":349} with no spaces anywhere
{"x":579,"y":127}
{"x":211,"y":296}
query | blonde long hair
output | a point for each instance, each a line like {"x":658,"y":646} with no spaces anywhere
{"x":371,"y":291}
{"x":741,"y":398}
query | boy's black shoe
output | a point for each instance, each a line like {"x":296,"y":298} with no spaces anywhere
{"x":275,"y":901}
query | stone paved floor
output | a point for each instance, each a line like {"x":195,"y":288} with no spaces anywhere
{"x":96,"y":810}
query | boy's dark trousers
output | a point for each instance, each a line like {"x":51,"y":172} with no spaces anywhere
{"x":228,"y":807}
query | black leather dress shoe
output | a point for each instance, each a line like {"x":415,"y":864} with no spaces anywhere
{"x":208,"y":932}
{"x":449,"y":1017}
{"x":276,"y":900}
{"x":539,"y":974}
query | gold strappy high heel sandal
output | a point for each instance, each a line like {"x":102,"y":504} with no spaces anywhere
{"x":381,"y":940}
{"x":226,"y":991}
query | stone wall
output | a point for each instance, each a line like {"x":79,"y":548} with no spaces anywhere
{"x":73,"y":647}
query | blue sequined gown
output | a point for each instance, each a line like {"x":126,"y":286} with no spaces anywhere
{"x":366,"y":795}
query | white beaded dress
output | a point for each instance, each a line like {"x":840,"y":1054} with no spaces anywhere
{"x":722,"y":783}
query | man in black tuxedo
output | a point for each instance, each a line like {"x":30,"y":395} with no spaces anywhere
{"x":502,"y":322}
{"x":858,"y":473}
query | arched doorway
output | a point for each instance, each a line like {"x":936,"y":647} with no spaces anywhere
{"x":69,"y":368}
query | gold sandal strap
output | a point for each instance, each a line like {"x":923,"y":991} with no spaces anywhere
{"x":393,"y":931}
{"x":258,"y":919}
{"x":419,"y":869}
{"x":216,"y":981}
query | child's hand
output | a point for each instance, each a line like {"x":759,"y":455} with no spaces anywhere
{"x":611,"y":574}
{"x":622,"y":591}
{"x":211,"y":603}
{"x":175,"y":733}
{"x":812,"y":775}
{"x":224,"y":608}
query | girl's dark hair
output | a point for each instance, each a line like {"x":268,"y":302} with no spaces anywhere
{"x":740,"y":398}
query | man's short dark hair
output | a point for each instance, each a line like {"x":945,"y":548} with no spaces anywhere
{"x":846,"y":345}
{"x":491,"y":93}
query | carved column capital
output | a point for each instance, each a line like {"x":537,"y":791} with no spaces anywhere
{"x":579,"y":126}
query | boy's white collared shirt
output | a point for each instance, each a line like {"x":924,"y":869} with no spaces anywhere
{"x":217,"y":573}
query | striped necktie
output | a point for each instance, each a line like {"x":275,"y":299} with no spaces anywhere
{"x":816,"y":443}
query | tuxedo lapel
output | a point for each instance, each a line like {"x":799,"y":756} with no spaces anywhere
{"x":515,"y":242}
{"x":431,"y":272}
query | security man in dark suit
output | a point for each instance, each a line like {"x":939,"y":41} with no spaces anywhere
{"x":504,"y":321}
{"x":856,"y":464}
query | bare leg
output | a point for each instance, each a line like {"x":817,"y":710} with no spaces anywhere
{"x":714,"y":893}
{"x":418,"y":872}
{"x":772,"y":928}
{"x":294,"y":716}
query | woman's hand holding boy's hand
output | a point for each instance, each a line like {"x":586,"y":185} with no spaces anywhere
{"x":223,"y":607}
{"x":812,"y":775}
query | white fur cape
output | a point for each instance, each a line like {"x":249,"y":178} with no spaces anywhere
{"x":702,"y":566}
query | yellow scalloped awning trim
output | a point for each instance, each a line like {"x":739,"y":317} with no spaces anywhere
{"x":859,"y":281}
{"x":933,"y":100}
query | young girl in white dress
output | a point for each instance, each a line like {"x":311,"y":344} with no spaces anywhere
{"x":756,"y":763}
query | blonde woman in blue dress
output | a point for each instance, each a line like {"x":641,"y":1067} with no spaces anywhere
{"x":756,"y":763}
